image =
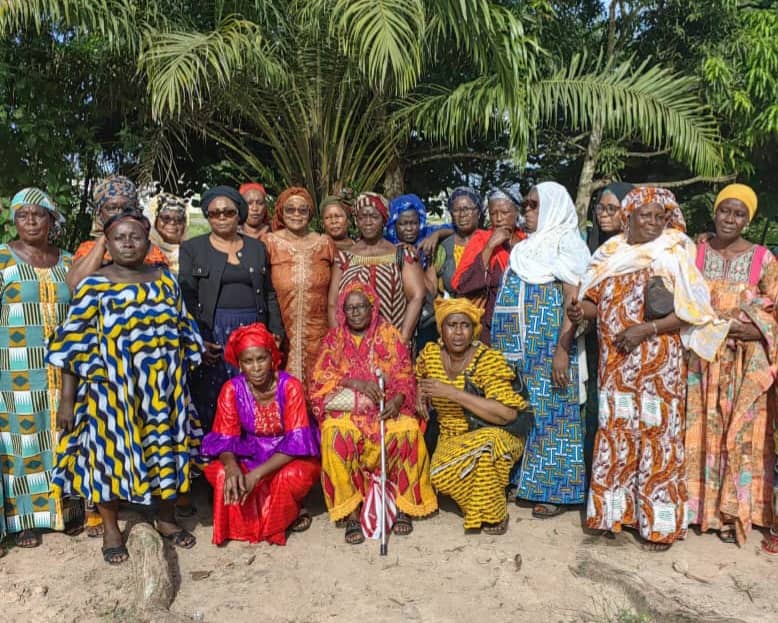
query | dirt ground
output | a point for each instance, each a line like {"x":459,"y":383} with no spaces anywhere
{"x":541,"y":570}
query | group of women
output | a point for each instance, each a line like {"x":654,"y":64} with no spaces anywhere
{"x":635,"y":374}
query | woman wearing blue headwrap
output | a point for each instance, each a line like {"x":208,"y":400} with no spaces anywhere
{"x":407,"y":224}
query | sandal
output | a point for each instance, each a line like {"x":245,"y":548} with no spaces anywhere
{"x":28,"y":539}
{"x":180,"y":538}
{"x":770,"y":544}
{"x":496,"y":529}
{"x":727,"y":535}
{"x":652,"y":546}
{"x":94,"y":525}
{"x":403,"y":525}
{"x":302,"y":523}
{"x":116,"y":555}
{"x":544,"y":510}
{"x":354,"y":535}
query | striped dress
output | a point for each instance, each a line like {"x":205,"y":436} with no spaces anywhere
{"x":473,"y":468}
{"x":384,"y":273}
{"x":131,"y":345}
{"x":32,"y":302}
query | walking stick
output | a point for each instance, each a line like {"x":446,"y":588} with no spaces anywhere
{"x":382,"y":426}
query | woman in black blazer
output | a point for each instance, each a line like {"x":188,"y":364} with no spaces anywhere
{"x":225,"y":279}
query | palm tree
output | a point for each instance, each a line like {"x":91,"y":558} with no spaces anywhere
{"x":335,"y":88}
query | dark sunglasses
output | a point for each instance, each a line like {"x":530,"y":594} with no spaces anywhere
{"x":222,"y":213}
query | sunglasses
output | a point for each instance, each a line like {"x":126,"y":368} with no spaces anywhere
{"x":302,"y":210}
{"x":216,"y":214}
{"x":171,"y":220}
{"x":530,"y":204}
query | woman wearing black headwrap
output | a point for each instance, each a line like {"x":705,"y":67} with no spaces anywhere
{"x":606,"y":223}
{"x":225,"y":279}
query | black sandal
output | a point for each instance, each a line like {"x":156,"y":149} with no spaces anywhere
{"x":496,"y":529}
{"x":403,"y":525}
{"x":354,"y":535}
{"x":181,"y":538}
{"x":546,"y":510}
{"x":116,"y":555}
{"x":727,"y":535}
{"x":302,"y":523}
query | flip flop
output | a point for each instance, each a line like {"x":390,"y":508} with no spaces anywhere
{"x":181,"y":538}
{"x":544,"y":510}
{"x":111,"y":553}
{"x":302,"y":523}
{"x":354,"y":535}
{"x":655,"y":548}
{"x":770,"y":545}
{"x":727,"y":535}
{"x":403,"y":525}
{"x":495,"y":529}
{"x":28,"y":539}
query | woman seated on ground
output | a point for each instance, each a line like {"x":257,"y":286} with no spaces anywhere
{"x":345,"y":398}
{"x":124,"y":349}
{"x":267,"y":448}
{"x":638,"y":477}
{"x":470,"y":466}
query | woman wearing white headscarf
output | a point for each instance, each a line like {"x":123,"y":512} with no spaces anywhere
{"x":532,"y":331}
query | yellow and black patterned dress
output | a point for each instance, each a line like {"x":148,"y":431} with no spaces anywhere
{"x":131,"y":345}
{"x":473,"y":468}
{"x":33,"y":301}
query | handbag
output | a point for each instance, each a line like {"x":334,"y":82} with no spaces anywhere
{"x":525,"y":420}
{"x":659,"y":300}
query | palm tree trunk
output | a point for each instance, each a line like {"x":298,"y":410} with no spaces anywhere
{"x":394,"y":179}
{"x":584,"y":192}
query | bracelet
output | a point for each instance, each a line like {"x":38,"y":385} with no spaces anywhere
{"x":653,"y":324}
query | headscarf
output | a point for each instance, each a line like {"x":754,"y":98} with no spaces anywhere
{"x":510,"y":193}
{"x":375,"y":200}
{"x":470,"y":193}
{"x":132,"y":215}
{"x":230,"y":193}
{"x":114,"y":186}
{"x":254,"y":335}
{"x":555,"y":251}
{"x":244,"y":188}
{"x":292,"y":191}
{"x":644,"y":195}
{"x":400,"y":205}
{"x":596,"y":235}
{"x":741,"y":192}
{"x":332,"y":200}
{"x":444,"y":307}
{"x":37,"y":197}
{"x":171,"y":203}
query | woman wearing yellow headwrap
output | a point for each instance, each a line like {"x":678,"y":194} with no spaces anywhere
{"x":472,"y":467}
{"x":729,"y":445}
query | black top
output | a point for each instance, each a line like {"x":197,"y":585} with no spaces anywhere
{"x":236,"y":291}
{"x":201,"y":271}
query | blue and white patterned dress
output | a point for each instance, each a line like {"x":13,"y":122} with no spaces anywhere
{"x":525,"y":328}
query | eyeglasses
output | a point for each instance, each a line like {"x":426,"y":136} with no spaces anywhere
{"x":216,"y":214}
{"x":355,"y":309}
{"x":166,"y":219}
{"x":302,"y":210}
{"x":464,"y":210}
{"x":610,"y":210}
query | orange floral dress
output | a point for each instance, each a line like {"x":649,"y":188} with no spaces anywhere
{"x":300,"y":272}
{"x":638,"y":471}
{"x":729,"y":431}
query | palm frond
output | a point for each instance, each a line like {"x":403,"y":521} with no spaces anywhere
{"x":651,"y":103}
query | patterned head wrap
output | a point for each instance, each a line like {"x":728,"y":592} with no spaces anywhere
{"x":230,"y":193}
{"x":286,"y":195}
{"x":466,"y":191}
{"x":741,"y":192}
{"x":36,"y":197}
{"x":332,"y":200}
{"x":400,"y":205}
{"x":133,"y":215}
{"x":244,"y":188}
{"x":115,"y":186}
{"x":375,"y":200}
{"x":445,"y":307}
{"x":167,"y":202}
{"x":510,"y":193}
{"x":369,"y":293}
{"x":254,"y":335}
{"x":644,"y":195}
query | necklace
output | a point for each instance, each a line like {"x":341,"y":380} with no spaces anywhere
{"x":463,"y":362}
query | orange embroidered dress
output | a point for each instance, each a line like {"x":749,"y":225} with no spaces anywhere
{"x":729,"y":431}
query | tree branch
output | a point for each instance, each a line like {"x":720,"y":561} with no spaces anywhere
{"x":647,"y":154}
{"x":413,"y":161}
{"x":700,"y":179}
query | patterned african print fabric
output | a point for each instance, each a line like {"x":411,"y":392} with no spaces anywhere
{"x":473,"y":468}
{"x":525,"y":328}
{"x":300,"y":272}
{"x":384,"y":274}
{"x":730,"y":418}
{"x":638,"y":474}
{"x":131,"y":345}
{"x":33,"y":301}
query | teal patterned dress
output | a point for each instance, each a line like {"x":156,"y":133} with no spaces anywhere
{"x":33,"y":301}
{"x":525,"y":328}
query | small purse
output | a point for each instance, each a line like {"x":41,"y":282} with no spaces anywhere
{"x":659,"y":300}
{"x":525,"y":420}
{"x":344,"y":400}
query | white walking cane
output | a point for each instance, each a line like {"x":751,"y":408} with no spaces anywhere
{"x":382,"y":425}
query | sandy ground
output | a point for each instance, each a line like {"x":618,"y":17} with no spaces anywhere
{"x":542,"y":570}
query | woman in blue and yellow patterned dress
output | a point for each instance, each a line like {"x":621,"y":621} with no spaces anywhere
{"x":125,"y":349}
{"x":33,"y":300}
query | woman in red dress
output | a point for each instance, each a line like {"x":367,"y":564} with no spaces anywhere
{"x":267,"y":449}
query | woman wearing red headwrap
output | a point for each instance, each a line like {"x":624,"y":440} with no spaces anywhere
{"x":267,"y":449}
{"x":301,"y":266}
{"x":394,"y":272}
{"x":257,"y":222}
